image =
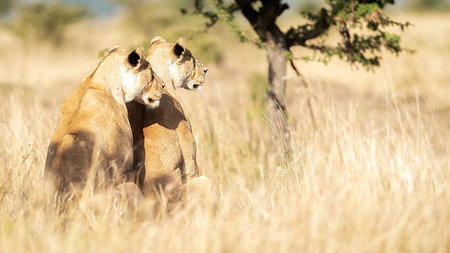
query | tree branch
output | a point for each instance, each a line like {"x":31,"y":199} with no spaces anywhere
{"x":271,"y":9}
{"x":250,"y":14}
{"x":298,"y":36}
{"x":343,"y":30}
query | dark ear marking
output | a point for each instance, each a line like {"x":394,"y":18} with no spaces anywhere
{"x":178,"y":50}
{"x":133,"y":58}
{"x":144,"y":64}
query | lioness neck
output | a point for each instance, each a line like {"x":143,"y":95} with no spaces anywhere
{"x":116,"y":80}
{"x":165,"y":69}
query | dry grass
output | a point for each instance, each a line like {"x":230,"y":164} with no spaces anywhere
{"x":372,"y":176}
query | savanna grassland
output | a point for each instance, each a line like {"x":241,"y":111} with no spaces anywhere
{"x":372,"y":174}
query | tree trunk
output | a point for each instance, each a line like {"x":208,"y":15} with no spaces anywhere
{"x":277,"y":83}
{"x":276,"y":90}
{"x":263,"y":23}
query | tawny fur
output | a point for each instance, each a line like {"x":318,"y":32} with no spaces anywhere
{"x":92,"y":143}
{"x":164,"y":146}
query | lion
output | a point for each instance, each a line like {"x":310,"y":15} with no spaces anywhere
{"x":164,"y":146}
{"x":92,"y":143}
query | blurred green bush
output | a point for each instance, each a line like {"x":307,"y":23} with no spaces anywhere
{"x":164,"y":18}
{"x":148,"y":16}
{"x":206,"y":50}
{"x":5,"y":5}
{"x":308,"y":6}
{"x":428,"y":5}
{"x":46,"y":20}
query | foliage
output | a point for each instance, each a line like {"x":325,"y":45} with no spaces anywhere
{"x":308,"y":5}
{"x":426,"y":5}
{"x":363,"y":26}
{"x":207,"y":50}
{"x":162,"y":18}
{"x":46,"y":21}
{"x":147,"y":16}
{"x":5,"y":5}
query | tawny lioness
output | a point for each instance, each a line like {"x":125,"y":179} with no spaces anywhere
{"x":164,"y":146}
{"x":92,"y":142}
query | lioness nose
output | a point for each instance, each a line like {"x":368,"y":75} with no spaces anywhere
{"x":151,"y":100}
{"x":205,"y":69}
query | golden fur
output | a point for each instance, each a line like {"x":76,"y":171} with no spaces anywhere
{"x":164,"y":146}
{"x":92,"y":143}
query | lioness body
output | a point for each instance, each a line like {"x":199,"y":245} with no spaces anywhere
{"x":93,"y":139}
{"x":76,"y":146}
{"x":165,"y":149}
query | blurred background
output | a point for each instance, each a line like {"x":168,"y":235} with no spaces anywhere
{"x":370,"y":172}
{"x":47,"y":47}
{"x":81,"y":29}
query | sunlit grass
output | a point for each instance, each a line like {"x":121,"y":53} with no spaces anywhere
{"x":371,"y":175}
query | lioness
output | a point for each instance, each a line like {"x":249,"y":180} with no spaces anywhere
{"x":92,"y":142}
{"x":164,"y":147}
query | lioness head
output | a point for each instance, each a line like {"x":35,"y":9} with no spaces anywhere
{"x":140,"y":81}
{"x":175,"y":64}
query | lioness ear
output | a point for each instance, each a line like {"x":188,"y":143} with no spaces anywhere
{"x":181,"y":42}
{"x":157,"y":39}
{"x":179,"y":48}
{"x":114,"y":48}
{"x":135,"y":57}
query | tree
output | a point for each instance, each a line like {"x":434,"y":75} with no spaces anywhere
{"x":362,"y":26}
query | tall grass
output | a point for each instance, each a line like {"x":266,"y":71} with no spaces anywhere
{"x":372,"y":175}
